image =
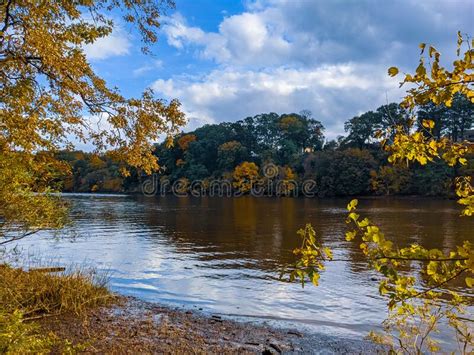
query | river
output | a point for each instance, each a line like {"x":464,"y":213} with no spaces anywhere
{"x":223,"y":255}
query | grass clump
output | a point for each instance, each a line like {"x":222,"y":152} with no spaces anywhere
{"x":26,"y":296}
{"x":17,"y":336}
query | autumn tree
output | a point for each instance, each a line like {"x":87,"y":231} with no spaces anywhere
{"x":388,"y":180}
{"x":50,"y":93}
{"x":287,"y":182}
{"x":185,"y":140}
{"x":245,"y":176}
{"x":415,"y":280}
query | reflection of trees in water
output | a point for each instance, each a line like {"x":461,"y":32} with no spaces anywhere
{"x":428,"y":222}
{"x":117,"y":210}
{"x":260,"y":233}
{"x":432,"y":223}
{"x":238,"y":228}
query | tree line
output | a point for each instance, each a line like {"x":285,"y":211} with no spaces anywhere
{"x":237,"y":151}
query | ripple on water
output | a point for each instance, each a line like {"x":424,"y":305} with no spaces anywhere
{"x":224,"y":255}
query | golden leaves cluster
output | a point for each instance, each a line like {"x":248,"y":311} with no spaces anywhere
{"x":311,"y":256}
{"x":416,"y":280}
{"x":422,"y":147}
{"x":49,"y":92}
{"x":416,"y":304}
{"x":245,"y":176}
{"x":437,"y":267}
{"x":50,"y":97}
{"x":433,"y":82}
{"x":439,"y":86}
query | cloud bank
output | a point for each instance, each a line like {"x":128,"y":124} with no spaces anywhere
{"x":329,"y":57}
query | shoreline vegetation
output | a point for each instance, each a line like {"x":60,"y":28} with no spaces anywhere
{"x":359,"y":197}
{"x":284,"y":151}
{"x":69,"y":313}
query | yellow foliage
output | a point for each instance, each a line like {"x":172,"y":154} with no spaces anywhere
{"x":26,"y":200}
{"x":289,"y":174}
{"x":96,"y":162}
{"x":230,"y":146}
{"x":288,"y":184}
{"x":417,"y":304}
{"x":288,"y":122}
{"x":184,"y":141}
{"x":49,"y":95}
{"x":245,"y":176}
{"x":311,"y":257}
{"x":437,"y":84}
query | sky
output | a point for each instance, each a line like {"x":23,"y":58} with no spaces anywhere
{"x":226,"y":60}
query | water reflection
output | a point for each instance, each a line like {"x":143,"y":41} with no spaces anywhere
{"x":223,"y":254}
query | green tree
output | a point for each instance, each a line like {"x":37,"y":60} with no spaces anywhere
{"x":452,"y":121}
{"x":230,"y":154}
{"x":342,"y":172}
{"x":363,"y":129}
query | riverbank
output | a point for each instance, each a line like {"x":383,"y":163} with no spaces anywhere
{"x":134,"y":326}
{"x":42,"y":312}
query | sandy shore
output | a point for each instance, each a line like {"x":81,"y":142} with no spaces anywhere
{"x":132,"y":326}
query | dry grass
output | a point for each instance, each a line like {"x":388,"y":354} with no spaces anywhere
{"x":26,"y":296}
{"x":37,"y":294}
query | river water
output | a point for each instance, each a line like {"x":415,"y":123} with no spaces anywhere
{"x":223,"y":255}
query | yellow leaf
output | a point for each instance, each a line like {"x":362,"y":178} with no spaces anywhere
{"x":469,"y":281}
{"x":350,"y":235}
{"x":422,"y":47}
{"x":363,"y":223}
{"x":315,"y":279}
{"x":376,"y":238}
{"x":354,"y":216}
{"x":432,"y":268}
{"x":432,"y":51}
{"x":352,"y":205}
{"x":328,"y":252}
{"x":392,"y":71}
{"x":428,"y":124}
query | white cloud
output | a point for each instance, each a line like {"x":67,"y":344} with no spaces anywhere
{"x":242,"y":39}
{"x":178,"y":33}
{"x":319,"y":32}
{"x":116,"y":44}
{"x":327,"y":56}
{"x":149,"y":67}
{"x":332,"y":92}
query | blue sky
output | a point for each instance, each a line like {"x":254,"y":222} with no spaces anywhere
{"x":226,"y":60}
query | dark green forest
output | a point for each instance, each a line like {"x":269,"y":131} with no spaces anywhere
{"x":351,"y":165}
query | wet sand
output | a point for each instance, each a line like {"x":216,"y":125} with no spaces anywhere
{"x":132,"y":326}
